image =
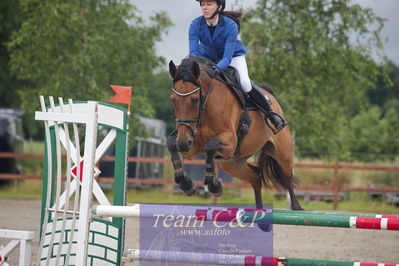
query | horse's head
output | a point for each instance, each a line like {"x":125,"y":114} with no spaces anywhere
{"x":186,"y":101}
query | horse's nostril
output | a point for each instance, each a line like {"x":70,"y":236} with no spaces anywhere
{"x":184,"y":145}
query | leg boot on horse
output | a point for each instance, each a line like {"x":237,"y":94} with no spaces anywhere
{"x":213,"y":183}
{"x":185,"y":183}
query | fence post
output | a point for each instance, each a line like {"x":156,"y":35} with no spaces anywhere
{"x":336,"y":185}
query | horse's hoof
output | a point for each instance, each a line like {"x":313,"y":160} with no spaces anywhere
{"x":216,"y":189}
{"x":180,"y":177}
{"x":265,"y":227}
{"x":296,"y":207}
{"x":217,"y":195}
{"x":190,"y":191}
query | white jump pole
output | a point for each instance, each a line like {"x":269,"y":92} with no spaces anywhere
{"x":117,"y":211}
{"x":202,"y":213}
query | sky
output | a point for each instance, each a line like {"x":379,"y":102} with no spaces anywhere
{"x":174,"y":45}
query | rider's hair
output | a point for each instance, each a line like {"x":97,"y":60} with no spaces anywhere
{"x":235,"y":15}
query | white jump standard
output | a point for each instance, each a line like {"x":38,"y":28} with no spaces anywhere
{"x":69,"y":235}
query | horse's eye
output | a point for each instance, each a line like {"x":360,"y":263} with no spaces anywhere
{"x":194,"y":100}
{"x":172,"y":99}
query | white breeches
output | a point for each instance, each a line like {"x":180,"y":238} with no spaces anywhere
{"x":240,"y":64}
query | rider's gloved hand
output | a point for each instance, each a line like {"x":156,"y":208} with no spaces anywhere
{"x":213,"y":71}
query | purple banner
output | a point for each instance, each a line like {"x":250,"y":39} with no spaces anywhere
{"x":204,"y":235}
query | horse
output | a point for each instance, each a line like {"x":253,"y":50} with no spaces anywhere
{"x":207,"y":114}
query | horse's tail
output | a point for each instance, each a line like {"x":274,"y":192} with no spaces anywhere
{"x":271,"y":173}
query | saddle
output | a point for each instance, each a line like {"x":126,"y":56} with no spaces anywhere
{"x":232,"y":79}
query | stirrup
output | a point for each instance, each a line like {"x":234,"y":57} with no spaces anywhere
{"x":276,"y":130}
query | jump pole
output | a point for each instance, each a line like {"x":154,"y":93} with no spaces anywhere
{"x":232,"y":259}
{"x":278,"y":217}
{"x":347,"y":214}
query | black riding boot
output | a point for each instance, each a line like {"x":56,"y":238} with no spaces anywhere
{"x":263,"y":104}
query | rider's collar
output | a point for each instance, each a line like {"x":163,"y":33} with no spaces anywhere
{"x":212,"y":24}
{"x":219,"y":22}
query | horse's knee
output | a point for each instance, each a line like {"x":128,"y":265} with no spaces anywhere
{"x":212,"y":145}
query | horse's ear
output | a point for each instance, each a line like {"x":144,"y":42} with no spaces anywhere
{"x":172,"y":69}
{"x":195,"y":70}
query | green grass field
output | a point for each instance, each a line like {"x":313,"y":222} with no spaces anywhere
{"x":31,"y":189}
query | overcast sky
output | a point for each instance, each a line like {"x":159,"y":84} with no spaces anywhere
{"x":175,"y":43}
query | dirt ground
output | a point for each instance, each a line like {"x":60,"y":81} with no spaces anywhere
{"x":289,"y":241}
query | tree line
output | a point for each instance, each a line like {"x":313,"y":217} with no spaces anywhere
{"x":341,"y":103}
{"x":75,"y":49}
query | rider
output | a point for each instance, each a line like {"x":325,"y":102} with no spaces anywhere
{"x":215,"y":36}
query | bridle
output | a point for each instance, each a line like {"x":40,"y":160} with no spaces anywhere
{"x":201,"y":108}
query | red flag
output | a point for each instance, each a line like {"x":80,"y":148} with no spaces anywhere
{"x":123,"y":95}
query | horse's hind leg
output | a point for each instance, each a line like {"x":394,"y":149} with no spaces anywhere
{"x":258,"y":199}
{"x":246,"y":172}
{"x":288,"y":183}
{"x":279,"y":167}
{"x":294,"y":202}
{"x":249,"y":173}
{"x":259,"y":204}
{"x":185,"y":183}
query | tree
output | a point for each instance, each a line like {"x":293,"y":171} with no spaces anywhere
{"x":375,"y":132}
{"x":385,"y":90}
{"x":374,"y":135}
{"x":76,"y":48}
{"x":159,"y":93}
{"x":316,"y":54}
{"x":11,"y":17}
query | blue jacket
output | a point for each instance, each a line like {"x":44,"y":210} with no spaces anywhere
{"x":222,"y":47}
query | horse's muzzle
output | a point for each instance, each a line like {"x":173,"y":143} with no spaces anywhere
{"x":184,"y":145}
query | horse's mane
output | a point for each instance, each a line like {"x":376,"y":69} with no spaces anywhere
{"x":186,"y":66}
{"x":189,"y":60}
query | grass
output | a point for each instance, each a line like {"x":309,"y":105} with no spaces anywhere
{"x":26,"y":189}
{"x":29,"y":165}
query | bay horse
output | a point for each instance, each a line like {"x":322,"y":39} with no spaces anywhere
{"x":207,"y":114}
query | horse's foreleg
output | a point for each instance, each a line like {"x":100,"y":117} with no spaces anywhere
{"x":185,"y":183}
{"x":213,"y":183}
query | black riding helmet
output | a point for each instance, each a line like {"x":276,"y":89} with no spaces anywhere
{"x":220,"y":3}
